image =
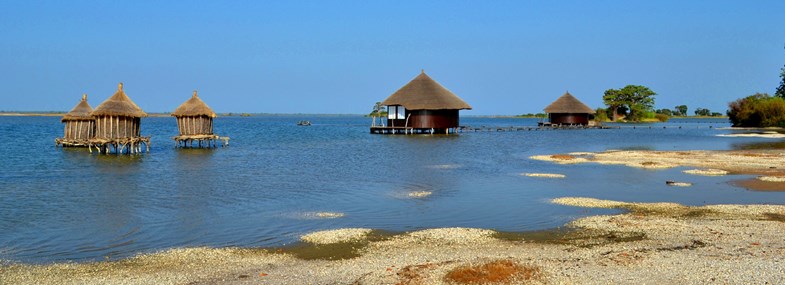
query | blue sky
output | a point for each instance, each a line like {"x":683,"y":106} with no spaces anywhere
{"x":502,"y":57}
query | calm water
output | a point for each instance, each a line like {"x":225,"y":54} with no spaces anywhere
{"x":67,"y":204}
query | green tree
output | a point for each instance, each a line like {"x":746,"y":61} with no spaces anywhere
{"x":637,"y":99}
{"x":680,"y":110}
{"x":758,"y":110}
{"x":666,"y":112}
{"x":378,"y":111}
{"x":781,"y":89}
{"x":702,"y":112}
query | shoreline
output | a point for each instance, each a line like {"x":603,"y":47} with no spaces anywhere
{"x":663,"y":242}
{"x":658,"y":242}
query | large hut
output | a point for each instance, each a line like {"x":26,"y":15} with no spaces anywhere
{"x":568,"y":110}
{"x":79,"y":126}
{"x":195,"y":123}
{"x":118,"y":125}
{"x":422,"y":106}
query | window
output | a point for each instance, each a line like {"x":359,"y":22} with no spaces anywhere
{"x":396,"y":112}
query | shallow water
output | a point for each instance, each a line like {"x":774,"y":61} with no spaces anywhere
{"x":268,"y":187}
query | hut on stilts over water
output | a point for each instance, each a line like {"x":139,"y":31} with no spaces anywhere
{"x":422,"y":106}
{"x":79,"y":125}
{"x":195,"y":122}
{"x":118,"y":125}
{"x":568,"y":110}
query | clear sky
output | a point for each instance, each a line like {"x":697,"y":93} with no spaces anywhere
{"x":502,"y":57}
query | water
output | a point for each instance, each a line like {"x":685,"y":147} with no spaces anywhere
{"x":263,"y":190}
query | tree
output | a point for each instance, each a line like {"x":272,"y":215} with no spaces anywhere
{"x":635,"y":98}
{"x":666,"y":112}
{"x":759,"y":110}
{"x":702,"y":112}
{"x":378,"y":111}
{"x":781,"y":89}
{"x":680,"y":110}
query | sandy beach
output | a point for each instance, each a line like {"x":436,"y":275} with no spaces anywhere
{"x":663,"y":243}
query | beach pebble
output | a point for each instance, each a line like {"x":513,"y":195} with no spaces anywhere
{"x":419,"y":194}
{"x":336,"y":236}
{"x":772,"y":178}
{"x":707,"y":172}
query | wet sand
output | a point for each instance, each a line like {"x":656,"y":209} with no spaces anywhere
{"x":758,"y":162}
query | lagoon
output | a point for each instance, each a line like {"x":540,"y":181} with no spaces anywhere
{"x":277,"y":181}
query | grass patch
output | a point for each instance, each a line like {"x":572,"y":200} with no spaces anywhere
{"x":499,"y":271}
{"x":572,"y":236}
{"x":562,"y":157}
{"x":775,"y":217}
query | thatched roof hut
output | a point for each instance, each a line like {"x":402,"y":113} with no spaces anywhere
{"x":118,"y":124}
{"x":424,"y":104}
{"x":79,"y":125}
{"x":568,"y":110}
{"x":119,"y":105}
{"x":80,"y":112}
{"x":194,"y":117}
{"x":194,"y":107}
{"x":424,"y":93}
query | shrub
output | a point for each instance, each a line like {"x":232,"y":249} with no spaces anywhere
{"x":759,"y":110}
{"x":601,"y":115}
{"x":662,"y":117}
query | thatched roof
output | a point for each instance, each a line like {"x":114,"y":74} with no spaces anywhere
{"x":194,"y":107}
{"x":119,"y":105}
{"x":424,"y":93}
{"x":568,"y":104}
{"x":80,"y":112}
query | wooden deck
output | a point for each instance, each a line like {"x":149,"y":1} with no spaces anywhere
{"x":391,"y":130}
{"x":129,"y":145}
{"x":71,"y":142}
{"x":201,"y":141}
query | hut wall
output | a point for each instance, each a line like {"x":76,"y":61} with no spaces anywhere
{"x":79,"y":129}
{"x":195,"y":125}
{"x":113,"y":127}
{"x":396,"y":122}
{"x":569,"y":119}
{"x":433,"y":119}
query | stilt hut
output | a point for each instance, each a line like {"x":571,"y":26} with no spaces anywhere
{"x":568,"y":110}
{"x":118,"y":125}
{"x":195,"y":122}
{"x":422,"y":106}
{"x":79,"y":125}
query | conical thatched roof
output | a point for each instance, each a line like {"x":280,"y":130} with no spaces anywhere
{"x":80,"y":112}
{"x":568,"y":104}
{"x":194,"y":107}
{"x":424,"y":93}
{"x":119,"y":105}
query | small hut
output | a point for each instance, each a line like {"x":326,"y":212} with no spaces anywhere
{"x":79,"y":125}
{"x":422,"y":106}
{"x":195,"y":123}
{"x":568,"y":110}
{"x":118,"y":125}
